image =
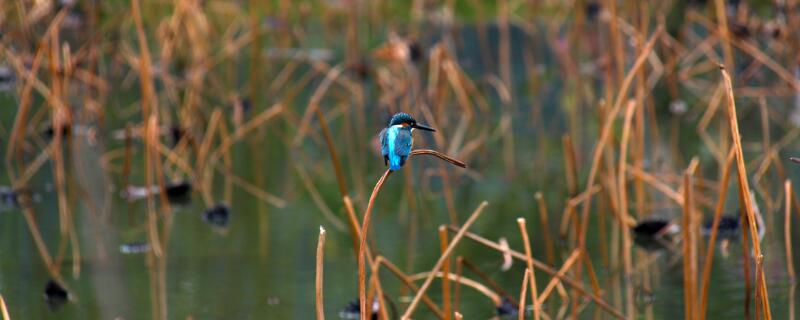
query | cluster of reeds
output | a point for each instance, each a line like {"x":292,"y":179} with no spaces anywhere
{"x":217,"y":81}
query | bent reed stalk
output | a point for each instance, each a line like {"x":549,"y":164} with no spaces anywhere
{"x":362,"y":272}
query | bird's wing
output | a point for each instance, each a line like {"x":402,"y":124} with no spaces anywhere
{"x":403,"y":142}
{"x":384,"y":145}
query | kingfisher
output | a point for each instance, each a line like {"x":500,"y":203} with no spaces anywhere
{"x":396,"y":139}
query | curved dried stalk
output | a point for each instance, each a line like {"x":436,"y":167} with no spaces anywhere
{"x":496,"y":299}
{"x":439,"y":155}
{"x":362,"y":286}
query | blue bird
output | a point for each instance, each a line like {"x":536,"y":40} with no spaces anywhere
{"x":396,"y":140}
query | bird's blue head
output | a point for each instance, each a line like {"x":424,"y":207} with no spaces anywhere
{"x":404,"y":119}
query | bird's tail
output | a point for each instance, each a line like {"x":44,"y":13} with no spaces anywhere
{"x":395,"y":163}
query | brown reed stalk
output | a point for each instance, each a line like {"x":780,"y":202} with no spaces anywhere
{"x":522,"y":292}
{"x":722,"y":26}
{"x":367,"y":215}
{"x":627,"y":264}
{"x":606,"y":130}
{"x":313,"y":103}
{"x":712,"y":239}
{"x":337,"y":166}
{"x":378,"y":292}
{"x":787,"y":229}
{"x":745,"y":188}
{"x":545,"y":221}
{"x":576,"y":285}
{"x":457,"y":289}
{"x":410,"y":285}
{"x":446,"y":271}
{"x":4,"y":309}
{"x":152,"y":218}
{"x":487,"y":279}
{"x":320,"y":269}
{"x":571,"y":167}
{"x":529,"y":260}
{"x":465,"y":281}
{"x":352,"y":222}
{"x":429,"y":279}
{"x":559,"y":275}
{"x":689,"y":250}
{"x":362,"y":247}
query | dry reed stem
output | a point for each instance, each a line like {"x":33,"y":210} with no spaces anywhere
{"x":410,"y":285}
{"x":474,"y":216}
{"x":4,"y":309}
{"x":378,"y":290}
{"x":240,"y":132}
{"x":327,"y":213}
{"x":337,"y":166}
{"x":744,"y":187}
{"x":352,"y":222}
{"x":545,"y":221}
{"x":439,"y":155}
{"x":606,"y":130}
{"x":464,"y":281}
{"x":313,"y":103}
{"x":576,"y":253}
{"x":362,"y":246}
{"x":627,"y":264}
{"x":787,"y":229}
{"x":152,"y":218}
{"x":544,"y":267}
{"x":446,"y":271}
{"x":722,"y":25}
{"x":457,"y":291}
{"x":571,"y":167}
{"x":320,"y":269}
{"x":18,"y":130}
{"x":487,"y":279}
{"x":367,"y":216}
{"x":254,"y":190}
{"x":522,"y":292}
{"x":529,"y":260}
{"x":689,"y":250}
{"x":712,"y":239}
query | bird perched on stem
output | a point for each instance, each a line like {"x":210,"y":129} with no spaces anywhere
{"x":396,"y":139}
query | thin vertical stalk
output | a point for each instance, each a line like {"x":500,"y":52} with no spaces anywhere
{"x":529,"y":260}
{"x":522,"y":292}
{"x":318,"y":282}
{"x":457,"y":289}
{"x":445,"y":274}
{"x":689,"y":249}
{"x":787,"y":229}
{"x":627,"y":265}
{"x":712,"y":239}
{"x":545,"y":222}
{"x":745,"y":189}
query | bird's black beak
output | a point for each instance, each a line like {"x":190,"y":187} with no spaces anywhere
{"x":423,"y":127}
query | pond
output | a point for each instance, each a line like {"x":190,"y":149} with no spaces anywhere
{"x":260,"y":117}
